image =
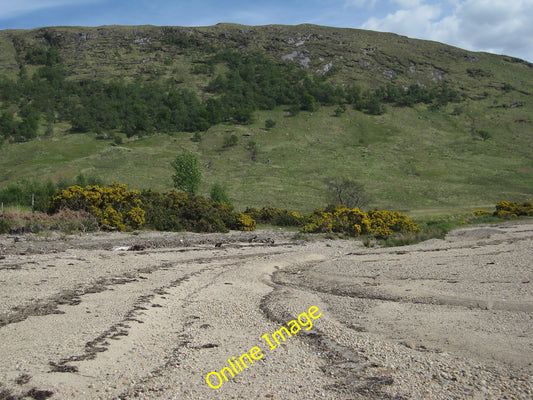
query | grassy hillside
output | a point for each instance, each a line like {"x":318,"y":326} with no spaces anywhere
{"x":473,"y":153}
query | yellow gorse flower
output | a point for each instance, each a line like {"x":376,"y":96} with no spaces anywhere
{"x":354,"y":222}
{"x":114,"y":206}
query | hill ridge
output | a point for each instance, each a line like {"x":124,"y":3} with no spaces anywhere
{"x":364,"y":48}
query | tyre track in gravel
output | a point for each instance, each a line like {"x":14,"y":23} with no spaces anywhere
{"x":225,"y":318}
{"x":143,"y":288}
{"x":354,"y":373}
{"x":50,"y":305}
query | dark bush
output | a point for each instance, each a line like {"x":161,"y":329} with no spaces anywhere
{"x":274,"y":216}
{"x":5,"y":225}
{"x":178,"y":211}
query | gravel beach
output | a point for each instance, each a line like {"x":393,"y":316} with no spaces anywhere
{"x":262,"y":315}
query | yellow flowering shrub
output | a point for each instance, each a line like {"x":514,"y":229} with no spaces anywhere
{"x":245,"y":222}
{"x":354,"y":222}
{"x":319,"y":221}
{"x":507,"y":209}
{"x":338,"y":219}
{"x":482,"y":212}
{"x":384,"y":223}
{"x":113,"y":206}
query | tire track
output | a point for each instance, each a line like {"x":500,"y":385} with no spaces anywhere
{"x":353,"y":372}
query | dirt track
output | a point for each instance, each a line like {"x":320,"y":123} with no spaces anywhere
{"x":122,"y":316}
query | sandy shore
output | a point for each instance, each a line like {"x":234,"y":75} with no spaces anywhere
{"x":151,"y":315}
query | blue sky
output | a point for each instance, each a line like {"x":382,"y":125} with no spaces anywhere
{"x":497,"y":26}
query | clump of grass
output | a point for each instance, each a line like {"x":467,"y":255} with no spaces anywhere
{"x":19,"y":220}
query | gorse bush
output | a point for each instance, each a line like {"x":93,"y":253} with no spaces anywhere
{"x":113,"y":206}
{"x":338,"y":219}
{"x":116,"y":207}
{"x":482,"y":212}
{"x":508,"y":209}
{"x":384,"y":223}
{"x":354,"y":222}
{"x":245,"y":222}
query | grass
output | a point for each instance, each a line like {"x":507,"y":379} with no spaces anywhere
{"x":407,"y":159}
{"x":22,"y":220}
{"x":415,"y":160}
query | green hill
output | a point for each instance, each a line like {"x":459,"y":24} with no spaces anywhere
{"x":470,"y":150}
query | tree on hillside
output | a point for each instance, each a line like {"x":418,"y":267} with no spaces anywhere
{"x":343,"y":191}
{"x":187,"y":172}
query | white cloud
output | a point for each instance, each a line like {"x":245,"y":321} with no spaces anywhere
{"x":497,"y":26}
{"x":10,"y":8}
{"x":413,"y":22}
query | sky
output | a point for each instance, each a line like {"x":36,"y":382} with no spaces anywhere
{"x":495,"y":26}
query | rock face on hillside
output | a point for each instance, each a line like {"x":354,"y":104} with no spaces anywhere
{"x":347,"y":55}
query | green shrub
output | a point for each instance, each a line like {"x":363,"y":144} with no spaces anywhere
{"x":178,"y":211}
{"x":23,"y":192}
{"x":275,"y":216}
{"x":5,"y":225}
{"x":40,"y":191}
{"x":230,"y":141}
{"x":219,"y":194}
{"x":483,"y":134}
{"x":187,"y":172}
{"x":270,"y":123}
